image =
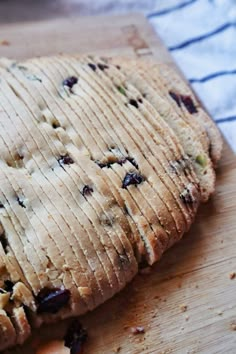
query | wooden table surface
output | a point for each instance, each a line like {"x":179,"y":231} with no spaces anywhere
{"x":194,"y":273}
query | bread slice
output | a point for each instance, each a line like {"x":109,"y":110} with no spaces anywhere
{"x":95,"y":179}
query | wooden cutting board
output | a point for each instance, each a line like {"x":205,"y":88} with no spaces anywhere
{"x":195,"y":274}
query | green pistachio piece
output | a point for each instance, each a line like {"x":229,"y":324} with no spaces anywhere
{"x":121,"y":90}
{"x":201,"y":160}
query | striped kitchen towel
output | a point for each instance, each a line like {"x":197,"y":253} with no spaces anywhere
{"x":201,"y":35}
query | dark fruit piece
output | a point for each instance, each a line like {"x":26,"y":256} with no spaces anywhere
{"x":4,"y":242}
{"x":55,"y":125}
{"x":65,"y":160}
{"x":102,"y":165}
{"x":102,"y":66}
{"x":186,"y":100}
{"x":92,"y":66}
{"x":21,"y":202}
{"x":52,"y":300}
{"x":87,"y":191}
{"x":8,"y":286}
{"x":132,"y":178}
{"x":188,"y":103}
{"x":187,"y":197}
{"x":132,"y":161}
{"x":75,"y":337}
{"x":70,"y":81}
{"x":133,"y":103}
{"x":175,"y":97}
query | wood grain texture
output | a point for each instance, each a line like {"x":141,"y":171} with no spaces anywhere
{"x":195,"y":272}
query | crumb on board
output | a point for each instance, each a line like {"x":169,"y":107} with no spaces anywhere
{"x":186,"y":318}
{"x":233,"y":326}
{"x":4,"y":42}
{"x":232,"y":275}
{"x":183,"y":307}
{"x":137,"y":330}
{"x":219,"y":312}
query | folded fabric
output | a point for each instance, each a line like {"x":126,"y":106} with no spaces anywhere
{"x":201,"y":36}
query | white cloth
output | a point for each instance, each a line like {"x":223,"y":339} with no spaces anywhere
{"x":204,"y":54}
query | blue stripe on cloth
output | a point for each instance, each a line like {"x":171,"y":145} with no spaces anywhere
{"x":212,"y":76}
{"x":225,"y":120}
{"x":204,"y":36}
{"x":170,"y":9}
